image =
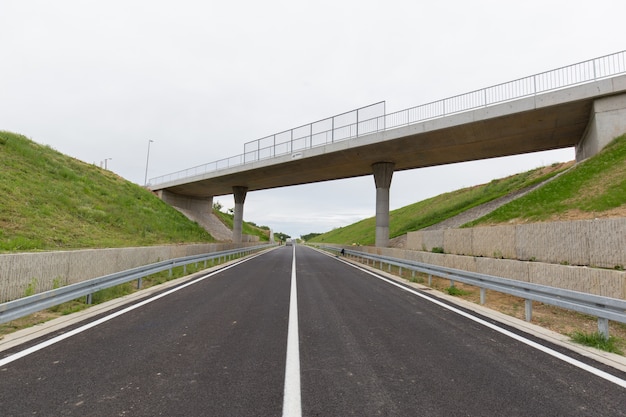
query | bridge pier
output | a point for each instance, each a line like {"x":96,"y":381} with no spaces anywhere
{"x":607,"y":121}
{"x":240,"y":197}
{"x":383,"y":172}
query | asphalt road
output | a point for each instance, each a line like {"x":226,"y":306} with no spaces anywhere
{"x":218,"y":347}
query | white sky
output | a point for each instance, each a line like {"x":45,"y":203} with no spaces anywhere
{"x":98,"y":79}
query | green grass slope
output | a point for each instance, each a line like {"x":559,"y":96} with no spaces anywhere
{"x":53,"y":202}
{"x":595,"y":186}
{"x":248,"y":228}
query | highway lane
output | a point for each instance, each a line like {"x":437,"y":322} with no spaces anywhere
{"x":368,"y":348}
{"x":215,"y":348}
{"x":218,"y":347}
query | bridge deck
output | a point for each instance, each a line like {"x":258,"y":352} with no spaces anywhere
{"x":552,"y":120}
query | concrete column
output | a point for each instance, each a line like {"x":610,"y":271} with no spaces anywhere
{"x":383,"y":171}
{"x":607,"y":121}
{"x":240,"y":198}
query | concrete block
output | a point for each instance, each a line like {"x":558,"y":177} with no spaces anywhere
{"x":433,"y":239}
{"x":607,"y":243}
{"x":555,"y":242}
{"x":464,"y":263}
{"x":602,"y":282}
{"x":494,"y":242}
{"x":458,"y":241}
{"x":415,"y":241}
{"x":504,"y":268}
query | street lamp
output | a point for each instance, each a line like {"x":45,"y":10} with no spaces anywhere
{"x":145,"y":181}
{"x":105,"y":162}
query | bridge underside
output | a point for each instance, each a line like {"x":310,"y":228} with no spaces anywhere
{"x":442,"y":141}
{"x":586,"y":117}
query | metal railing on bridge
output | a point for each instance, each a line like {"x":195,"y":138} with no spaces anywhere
{"x":373,"y":118}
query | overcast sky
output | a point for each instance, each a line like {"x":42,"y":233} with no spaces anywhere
{"x":99,"y":79}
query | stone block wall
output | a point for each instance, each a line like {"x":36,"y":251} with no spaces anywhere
{"x":604,"y":282}
{"x":597,"y":243}
{"x":36,"y":272}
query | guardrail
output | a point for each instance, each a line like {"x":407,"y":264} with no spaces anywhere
{"x":34,"y":303}
{"x":605,"y":308}
{"x":368,"y":119}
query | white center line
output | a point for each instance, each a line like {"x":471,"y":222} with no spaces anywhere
{"x":292,"y":404}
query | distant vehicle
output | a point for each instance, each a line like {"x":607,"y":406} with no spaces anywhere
{"x":289,"y":242}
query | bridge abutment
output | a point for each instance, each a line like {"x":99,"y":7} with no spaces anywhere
{"x":240,"y":198}
{"x":607,"y":121}
{"x":383,"y":172}
{"x":198,"y":209}
{"x":197,"y":206}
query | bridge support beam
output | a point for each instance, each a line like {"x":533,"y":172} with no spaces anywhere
{"x":240,"y":198}
{"x":607,"y":121}
{"x":383,"y":171}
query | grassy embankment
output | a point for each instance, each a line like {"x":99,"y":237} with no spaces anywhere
{"x":53,"y":202}
{"x":248,"y":228}
{"x":596,"y":187}
{"x":437,"y":209}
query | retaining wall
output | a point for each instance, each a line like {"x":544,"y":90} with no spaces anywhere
{"x":36,"y":272}
{"x":597,"y":243}
{"x":604,"y":282}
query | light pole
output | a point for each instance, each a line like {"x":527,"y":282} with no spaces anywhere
{"x":145,"y":181}
{"x":105,"y":162}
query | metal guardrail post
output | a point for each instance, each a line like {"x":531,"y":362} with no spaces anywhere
{"x":603,"y":327}
{"x":528,"y":304}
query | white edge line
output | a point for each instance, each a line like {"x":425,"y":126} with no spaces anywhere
{"x":95,"y":323}
{"x":292,"y":403}
{"x":551,"y":352}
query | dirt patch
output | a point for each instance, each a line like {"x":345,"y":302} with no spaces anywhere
{"x":28,"y":321}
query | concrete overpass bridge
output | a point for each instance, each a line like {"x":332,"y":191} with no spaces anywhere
{"x":581,"y":106}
